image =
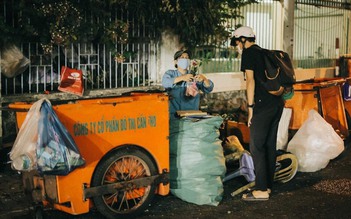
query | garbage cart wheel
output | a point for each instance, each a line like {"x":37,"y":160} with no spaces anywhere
{"x":122,"y":165}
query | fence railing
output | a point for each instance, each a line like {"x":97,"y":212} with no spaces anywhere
{"x":101,"y":68}
{"x":316,"y":30}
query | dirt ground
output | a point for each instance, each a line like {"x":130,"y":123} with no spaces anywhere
{"x":322,"y":194}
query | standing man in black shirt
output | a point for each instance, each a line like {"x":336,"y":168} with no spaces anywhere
{"x":264,"y":114}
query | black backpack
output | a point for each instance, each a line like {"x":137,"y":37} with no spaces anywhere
{"x":280,"y":74}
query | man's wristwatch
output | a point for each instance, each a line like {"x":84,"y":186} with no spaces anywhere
{"x":250,"y":106}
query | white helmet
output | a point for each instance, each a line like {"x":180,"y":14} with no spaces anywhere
{"x":244,"y":32}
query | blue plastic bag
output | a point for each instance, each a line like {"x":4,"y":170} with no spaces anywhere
{"x":56,"y":152}
{"x":346,"y":91}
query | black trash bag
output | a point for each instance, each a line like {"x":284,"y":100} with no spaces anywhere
{"x":56,"y":152}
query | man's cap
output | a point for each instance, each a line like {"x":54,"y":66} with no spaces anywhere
{"x":179,"y":53}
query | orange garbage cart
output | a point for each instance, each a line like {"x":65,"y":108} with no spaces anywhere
{"x":322,"y":95}
{"x":124,"y":141}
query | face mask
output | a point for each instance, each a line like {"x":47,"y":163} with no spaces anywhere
{"x":183,"y":63}
{"x":240,"y":51}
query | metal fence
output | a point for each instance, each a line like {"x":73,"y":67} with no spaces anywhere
{"x":100,"y":68}
{"x":315,"y":33}
{"x":121,"y":65}
{"x":264,"y":18}
{"x":318,"y":25}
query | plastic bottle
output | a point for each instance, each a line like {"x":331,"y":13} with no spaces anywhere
{"x":22,"y":162}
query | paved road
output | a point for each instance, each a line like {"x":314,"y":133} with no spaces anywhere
{"x":322,"y":194}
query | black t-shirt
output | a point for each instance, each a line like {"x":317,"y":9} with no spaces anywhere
{"x":252,"y":59}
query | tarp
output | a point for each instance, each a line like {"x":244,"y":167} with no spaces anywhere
{"x":197,"y":163}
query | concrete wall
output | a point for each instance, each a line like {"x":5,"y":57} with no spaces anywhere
{"x":230,"y":89}
{"x":169,"y":46}
{"x":235,"y":81}
{"x":305,"y":74}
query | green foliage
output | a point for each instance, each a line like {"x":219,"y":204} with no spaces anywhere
{"x":61,"y":22}
{"x":199,"y":20}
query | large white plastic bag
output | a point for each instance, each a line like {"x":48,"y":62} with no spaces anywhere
{"x":283,"y":129}
{"x":315,"y":143}
{"x":22,"y":154}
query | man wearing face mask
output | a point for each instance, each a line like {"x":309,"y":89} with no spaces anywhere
{"x":264,"y":112}
{"x":176,"y":83}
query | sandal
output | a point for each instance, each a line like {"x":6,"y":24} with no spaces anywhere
{"x":250,"y":197}
{"x":252,"y":189}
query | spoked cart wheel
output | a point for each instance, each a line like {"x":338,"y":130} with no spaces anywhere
{"x":123,"y":165}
